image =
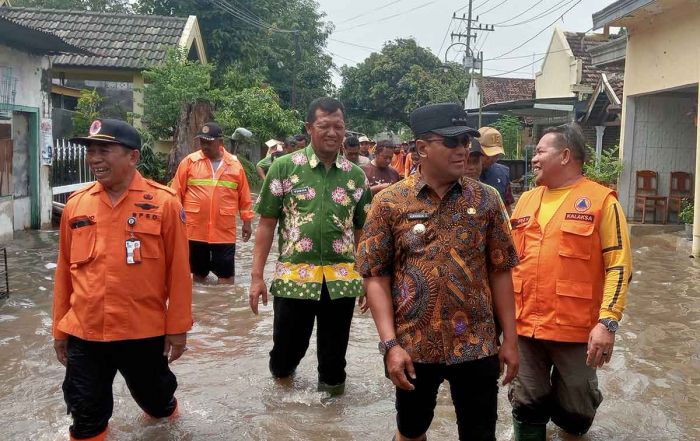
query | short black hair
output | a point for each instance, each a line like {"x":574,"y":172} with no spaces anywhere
{"x":326,"y":104}
{"x":384,"y":144}
{"x":570,"y":136}
{"x":290,"y":141}
{"x":300,"y":137}
{"x":352,"y":141}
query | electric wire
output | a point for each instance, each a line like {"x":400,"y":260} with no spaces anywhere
{"x":561,"y":5}
{"x":538,"y":33}
{"x":389,"y":17}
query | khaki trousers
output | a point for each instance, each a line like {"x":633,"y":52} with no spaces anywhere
{"x":555,"y":383}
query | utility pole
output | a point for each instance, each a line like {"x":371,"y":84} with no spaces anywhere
{"x":470,"y":62}
{"x":481,"y":78}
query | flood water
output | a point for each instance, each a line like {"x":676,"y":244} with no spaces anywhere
{"x":651,"y":387}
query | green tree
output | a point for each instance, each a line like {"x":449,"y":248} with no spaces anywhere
{"x":171,"y":84}
{"x":262,"y":47}
{"x":80,"y":5}
{"x":388,"y":85}
{"x":86,"y":111}
{"x":510,"y":128}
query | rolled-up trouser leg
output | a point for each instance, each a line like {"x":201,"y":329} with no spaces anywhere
{"x":147,"y":375}
{"x":529,"y":392}
{"x":87,"y":387}
{"x":575,"y":393}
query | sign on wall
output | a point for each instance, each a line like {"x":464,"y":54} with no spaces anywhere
{"x":46,"y":140}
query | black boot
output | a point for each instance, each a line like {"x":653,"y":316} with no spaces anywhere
{"x":529,"y":432}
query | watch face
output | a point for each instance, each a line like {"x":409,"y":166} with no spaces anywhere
{"x":613,"y":325}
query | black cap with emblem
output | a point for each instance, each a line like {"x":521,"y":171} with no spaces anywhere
{"x":446,"y":119}
{"x":111,"y":131}
{"x":210,"y":131}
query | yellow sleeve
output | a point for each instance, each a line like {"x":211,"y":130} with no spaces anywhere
{"x":617,"y":257}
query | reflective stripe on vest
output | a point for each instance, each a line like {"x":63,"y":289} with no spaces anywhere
{"x":213,"y":183}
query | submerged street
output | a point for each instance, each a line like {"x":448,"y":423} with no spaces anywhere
{"x":651,"y":386}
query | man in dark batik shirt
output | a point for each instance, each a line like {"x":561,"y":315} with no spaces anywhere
{"x":436,"y":254}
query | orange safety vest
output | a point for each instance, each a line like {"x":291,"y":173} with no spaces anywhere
{"x":560,"y":280}
{"x":212,"y":199}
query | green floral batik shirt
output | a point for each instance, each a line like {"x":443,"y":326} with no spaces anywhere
{"x":318,"y":212}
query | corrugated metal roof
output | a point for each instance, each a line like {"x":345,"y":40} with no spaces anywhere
{"x":120,"y":41}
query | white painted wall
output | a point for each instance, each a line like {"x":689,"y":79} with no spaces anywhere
{"x":27,"y":69}
{"x":663,"y":139}
{"x":560,"y":69}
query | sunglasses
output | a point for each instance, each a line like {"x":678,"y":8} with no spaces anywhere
{"x":451,"y":142}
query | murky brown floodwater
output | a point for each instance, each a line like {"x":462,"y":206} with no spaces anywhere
{"x":652,"y":386}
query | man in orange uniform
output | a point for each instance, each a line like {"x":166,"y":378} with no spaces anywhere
{"x":122,"y":294}
{"x":570,"y":288}
{"x":213,"y":188}
{"x":398,"y":162}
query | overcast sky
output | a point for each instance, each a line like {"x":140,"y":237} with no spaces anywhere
{"x":370,"y":23}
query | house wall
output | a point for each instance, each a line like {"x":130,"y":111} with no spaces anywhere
{"x":559,"y":71}
{"x":662,"y":52}
{"x":32,"y":103}
{"x":472,"y":101}
{"x":664,"y":140}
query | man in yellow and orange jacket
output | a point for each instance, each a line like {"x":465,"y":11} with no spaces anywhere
{"x":212,"y":186}
{"x":570,"y":288}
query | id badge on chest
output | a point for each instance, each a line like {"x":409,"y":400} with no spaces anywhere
{"x":133,"y":245}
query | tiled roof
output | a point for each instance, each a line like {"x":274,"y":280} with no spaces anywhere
{"x":617,"y":82}
{"x":33,"y":40}
{"x":580,"y":43}
{"x":122,"y":41}
{"x":498,"y":90}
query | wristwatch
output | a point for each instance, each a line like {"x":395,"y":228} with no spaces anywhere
{"x":384,"y":346}
{"x":610,"y":324}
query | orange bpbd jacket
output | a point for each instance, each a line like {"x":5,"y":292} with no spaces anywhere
{"x":212,"y":199}
{"x":97,"y":295}
{"x":560,"y":280}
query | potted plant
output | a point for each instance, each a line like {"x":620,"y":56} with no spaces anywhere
{"x":686,"y":216}
{"x":604,"y":170}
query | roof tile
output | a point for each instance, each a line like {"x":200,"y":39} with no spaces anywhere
{"x":498,"y":90}
{"x":116,"y":37}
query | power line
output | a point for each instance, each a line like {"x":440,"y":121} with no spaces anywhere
{"x":495,"y":7}
{"x":449,"y":26}
{"x":519,"y":14}
{"x":340,"y":56}
{"x":540,"y":32}
{"x":227,"y":7}
{"x":519,"y":68}
{"x":388,"y":17}
{"x":355,"y":44}
{"x":475,"y":7}
{"x":371,"y":11}
{"x":562,"y":4}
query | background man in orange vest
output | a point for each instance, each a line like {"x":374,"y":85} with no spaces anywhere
{"x":570,"y":288}
{"x":122,"y":292}
{"x":213,"y":188}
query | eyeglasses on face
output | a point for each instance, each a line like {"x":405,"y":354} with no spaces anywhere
{"x":451,"y":142}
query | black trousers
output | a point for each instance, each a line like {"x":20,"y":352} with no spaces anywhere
{"x":474,"y":390}
{"x":90,"y":373}
{"x":293,"y":324}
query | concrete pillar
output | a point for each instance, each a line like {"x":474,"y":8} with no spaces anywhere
{"x":599,"y":131}
{"x":696,"y":216}
{"x":137,"y":84}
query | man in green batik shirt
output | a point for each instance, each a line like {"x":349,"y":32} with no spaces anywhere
{"x":320,"y":200}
